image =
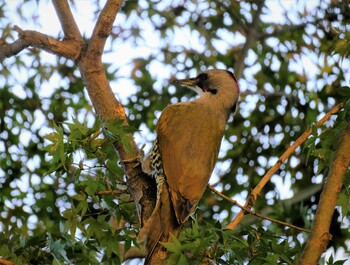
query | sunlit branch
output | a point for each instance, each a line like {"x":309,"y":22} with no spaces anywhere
{"x":65,"y":16}
{"x":27,"y":38}
{"x":5,"y":262}
{"x":70,"y":47}
{"x":103,"y":27}
{"x":256,"y":191}
{"x":320,"y":236}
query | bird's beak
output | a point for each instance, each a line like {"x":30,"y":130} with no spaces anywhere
{"x":185,"y":82}
{"x":191,"y":83}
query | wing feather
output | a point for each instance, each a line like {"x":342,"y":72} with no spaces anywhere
{"x":189,"y":136}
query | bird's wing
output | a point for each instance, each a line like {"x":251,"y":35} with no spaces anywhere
{"x":189,"y":137}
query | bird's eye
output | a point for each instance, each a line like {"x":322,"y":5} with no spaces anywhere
{"x":202,"y":77}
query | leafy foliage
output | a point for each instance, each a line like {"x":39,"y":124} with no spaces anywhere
{"x":257,"y":246}
{"x":55,"y":155}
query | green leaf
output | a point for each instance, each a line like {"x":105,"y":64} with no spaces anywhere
{"x":79,"y":197}
{"x":344,"y":91}
{"x":73,"y":228}
{"x":331,"y":261}
{"x":82,"y":207}
{"x":117,"y":131}
{"x":56,"y":149}
{"x":78,"y":130}
{"x":68,"y":213}
{"x":182,"y":260}
{"x":174,"y":245}
{"x":343,"y":202}
{"x":340,"y":46}
{"x":57,"y":249}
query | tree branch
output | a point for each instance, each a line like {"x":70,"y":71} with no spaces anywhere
{"x":103,"y":27}
{"x":89,"y":61}
{"x":91,"y":67}
{"x":68,"y":24}
{"x":320,"y":235}
{"x":247,"y":210}
{"x":67,"y":49}
{"x":251,"y":37}
{"x":256,"y":191}
{"x":140,"y":186}
{"x":109,"y":192}
{"x":5,"y":262}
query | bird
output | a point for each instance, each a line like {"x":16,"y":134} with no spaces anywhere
{"x":184,"y":154}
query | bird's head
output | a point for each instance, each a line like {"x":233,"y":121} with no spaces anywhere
{"x":216,"y":85}
{"x":213,"y":84}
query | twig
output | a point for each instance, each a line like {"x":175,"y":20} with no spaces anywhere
{"x":247,"y":210}
{"x":320,"y":236}
{"x":256,"y":191}
{"x":109,"y":192}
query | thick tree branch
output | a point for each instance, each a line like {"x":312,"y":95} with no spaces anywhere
{"x":103,"y":27}
{"x":67,"y":49}
{"x":256,"y":191}
{"x":140,"y":186}
{"x":320,"y":235}
{"x":91,"y":67}
{"x":68,"y":24}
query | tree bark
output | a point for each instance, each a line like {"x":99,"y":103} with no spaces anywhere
{"x":320,"y":236}
{"x":88,"y":57}
{"x":140,"y":186}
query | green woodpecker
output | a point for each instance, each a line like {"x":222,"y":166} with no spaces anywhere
{"x":183,"y":156}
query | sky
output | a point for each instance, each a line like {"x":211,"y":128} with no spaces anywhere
{"x":47,"y":22}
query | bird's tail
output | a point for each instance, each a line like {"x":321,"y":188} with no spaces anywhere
{"x":158,"y":228}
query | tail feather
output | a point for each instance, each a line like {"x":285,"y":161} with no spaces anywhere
{"x":158,"y":228}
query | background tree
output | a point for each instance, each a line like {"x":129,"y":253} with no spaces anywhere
{"x":64,"y":198}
